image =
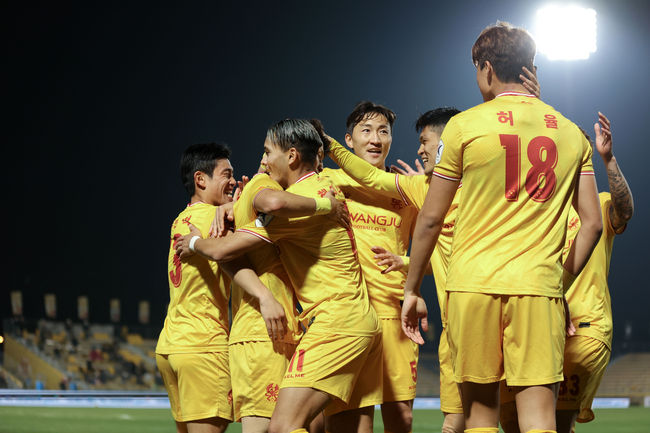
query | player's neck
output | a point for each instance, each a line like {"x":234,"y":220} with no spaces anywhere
{"x":199,"y":198}
{"x":295,"y":175}
{"x":499,"y":88}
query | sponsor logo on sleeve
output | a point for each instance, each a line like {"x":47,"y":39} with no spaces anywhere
{"x":441,"y":145}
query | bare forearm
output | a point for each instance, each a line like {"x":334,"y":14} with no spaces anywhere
{"x":622,"y":201}
{"x":241,"y":274}
{"x":582,"y":247}
{"x":425,"y":237}
{"x":284,"y":204}
{"x":226,"y":248}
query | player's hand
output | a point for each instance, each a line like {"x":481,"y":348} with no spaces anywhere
{"x":223,"y":220}
{"x":529,"y":80}
{"x":386,"y":258}
{"x":570,"y":328}
{"x":406,"y":169}
{"x":340,"y":212}
{"x":603,"y":137}
{"x":183,"y":243}
{"x":240,"y":187}
{"x":414,"y":309}
{"x":274,"y":317}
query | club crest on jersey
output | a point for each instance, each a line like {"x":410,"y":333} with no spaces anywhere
{"x":441,"y":145}
{"x":263,"y":220}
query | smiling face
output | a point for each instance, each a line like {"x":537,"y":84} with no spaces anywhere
{"x":371,"y":139}
{"x":218,"y":188}
{"x":277,"y":162}
{"x":429,"y":139}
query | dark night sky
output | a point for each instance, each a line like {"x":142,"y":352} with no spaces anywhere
{"x":101,"y":102}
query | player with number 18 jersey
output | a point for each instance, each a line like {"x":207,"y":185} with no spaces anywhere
{"x":519,"y":160}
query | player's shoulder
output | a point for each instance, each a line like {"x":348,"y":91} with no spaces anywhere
{"x":262,"y":179}
{"x":199,"y":214}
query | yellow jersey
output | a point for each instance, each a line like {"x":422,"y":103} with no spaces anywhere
{"x":320,"y":258}
{"x":588,"y":296}
{"x":247,"y":322}
{"x":405,"y":189}
{"x":519,"y":160}
{"x":377,"y":220}
{"x":197,"y":315}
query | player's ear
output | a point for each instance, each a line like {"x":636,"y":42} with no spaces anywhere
{"x":348,"y":140}
{"x":489,"y":71}
{"x":199,"y":179}
{"x":293,"y":157}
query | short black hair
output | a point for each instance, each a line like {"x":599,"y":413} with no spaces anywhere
{"x":434,"y":118}
{"x":202,"y":157}
{"x":299,"y":134}
{"x":507,"y":48}
{"x":364,"y":109}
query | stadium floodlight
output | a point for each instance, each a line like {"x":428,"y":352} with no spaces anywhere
{"x":565,"y":32}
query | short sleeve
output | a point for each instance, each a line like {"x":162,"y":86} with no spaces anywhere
{"x":449,"y":160}
{"x":587,"y":166}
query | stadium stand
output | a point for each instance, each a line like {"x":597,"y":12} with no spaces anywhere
{"x":627,"y":376}
{"x":66,"y":355}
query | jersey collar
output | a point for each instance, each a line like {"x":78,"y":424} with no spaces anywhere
{"x":528,"y":95}
{"x":306,"y":176}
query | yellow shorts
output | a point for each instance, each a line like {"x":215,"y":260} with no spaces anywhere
{"x":346,"y":367}
{"x":198,"y":385}
{"x":257,"y":369}
{"x":400,"y":362}
{"x":516,"y":338}
{"x":585,"y":360}
{"x":449,"y":396}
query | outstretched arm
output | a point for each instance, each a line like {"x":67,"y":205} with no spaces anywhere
{"x":287,"y":205}
{"x":622,"y":202}
{"x":221,"y":249}
{"x":366,"y":174}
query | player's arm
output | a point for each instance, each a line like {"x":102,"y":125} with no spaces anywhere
{"x":622,"y":202}
{"x":221,"y":249}
{"x":425,"y":235}
{"x":272,"y":312}
{"x":393,"y":262}
{"x":287,"y":205}
{"x":586,"y":203}
{"x":366,"y":174}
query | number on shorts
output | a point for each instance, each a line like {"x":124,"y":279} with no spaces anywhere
{"x":414,"y":370}
{"x":540,"y":179}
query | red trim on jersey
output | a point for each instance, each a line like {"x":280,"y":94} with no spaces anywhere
{"x":446,"y":177}
{"x":400,"y":190}
{"x":254,"y":234}
{"x":198,"y":202}
{"x":460,"y":184}
{"x":588,"y":173}
{"x":306,"y":176}
{"x":528,"y":95}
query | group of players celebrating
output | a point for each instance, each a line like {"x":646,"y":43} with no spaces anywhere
{"x":326,"y":304}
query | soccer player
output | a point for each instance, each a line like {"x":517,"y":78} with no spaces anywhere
{"x":522,"y":164}
{"x":413,"y":190}
{"x":192,"y":350}
{"x":258,"y":363}
{"x":343,"y":337}
{"x":587,"y":352}
{"x":380,"y":223}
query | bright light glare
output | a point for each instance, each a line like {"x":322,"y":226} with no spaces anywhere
{"x":565,"y":32}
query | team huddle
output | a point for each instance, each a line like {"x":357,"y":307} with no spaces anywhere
{"x":325,"y":297}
